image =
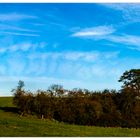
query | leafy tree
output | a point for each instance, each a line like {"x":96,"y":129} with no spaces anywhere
{"x":136,"y":111}
{"x":131,"y":79}
{"x":130,"y":90}
{"x":56,"y":90}
{"x":81,"y":106}
{"x":127,"y":103}
{"x":23,"y":100}
{"x":18,"y":95}
{"x":28,"y":106}
{"x":43,"y":105}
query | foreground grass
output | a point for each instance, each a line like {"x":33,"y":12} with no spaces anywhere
{"x":12,"y":125}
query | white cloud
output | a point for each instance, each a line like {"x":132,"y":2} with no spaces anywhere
{"x":94,"y":31}
{"x":6,"y":27}
{"x":40,"y":72}
{"x":106,"y":33}
{"x":110,"y":55}
{"x":19,"y":33}
{"x":131,"y":40}
{"x":26,"y":46}
{"x":125,"y":7}
{"x":81,"y":65}
{"x":130,"y":11}
{"x":75,"y":56}
{"x":119,"y":6}
{"x":15,"y":17}
{"x":22,"y":47}
{"x":85,"y":56}
{"x":51,"y":63}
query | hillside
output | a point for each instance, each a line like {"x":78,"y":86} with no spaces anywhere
{"x":11,"y":124}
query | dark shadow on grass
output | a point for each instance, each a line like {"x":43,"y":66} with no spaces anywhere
{"x":10,"y":109}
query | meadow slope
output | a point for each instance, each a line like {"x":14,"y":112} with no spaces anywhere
{"x":12,"y":125}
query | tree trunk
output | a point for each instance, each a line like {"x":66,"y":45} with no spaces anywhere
{"x":42,"y":116}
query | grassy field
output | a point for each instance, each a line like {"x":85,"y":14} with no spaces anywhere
{"x":12,"y":125}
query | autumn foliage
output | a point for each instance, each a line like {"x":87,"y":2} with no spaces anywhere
{"x":108,"y":108}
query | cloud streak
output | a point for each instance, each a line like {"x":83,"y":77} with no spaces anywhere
{"x":131,"y":40}
{"x":15,"y":17}
{"x":76,"y":56}
{"x":130,"y":11}
{"x":5,"y":27}
{"x":23,"y":47}
{"x":94,"y":31}
{"x":18,"y":33}
{"x":108,"y":33}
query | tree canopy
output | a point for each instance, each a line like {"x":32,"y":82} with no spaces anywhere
{"x":131,"y":79}
{"x":84,"y":107}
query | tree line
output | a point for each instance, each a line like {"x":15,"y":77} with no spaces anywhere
{"x":108,"y":108}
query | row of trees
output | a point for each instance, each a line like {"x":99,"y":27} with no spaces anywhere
{"x":80,"y":106}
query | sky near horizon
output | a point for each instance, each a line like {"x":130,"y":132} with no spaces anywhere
{"x":75,"y":45}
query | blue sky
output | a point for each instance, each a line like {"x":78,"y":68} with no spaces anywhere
{"x":75,"y":45}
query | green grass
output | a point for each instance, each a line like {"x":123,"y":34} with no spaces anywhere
{"x":12,"y":125}
{"x":6,"y":102}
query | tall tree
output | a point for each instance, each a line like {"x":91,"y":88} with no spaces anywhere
{"x":130,"y":90}
{"x":18,"y":93}
{"x":131,"y":79}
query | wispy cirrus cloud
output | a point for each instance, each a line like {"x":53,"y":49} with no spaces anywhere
{"x":26,"y":46}
{"x":94,"y":31}
{"x":108,"y":33}
{"x":48,"y":64}
{"x":18,"y":33}
{"x":76,"y":56}
{"x":121,"y":6}
{"x":132,"y":42}
{"x":6,"y":27}
{"x":130,"y":11}
{"x":130,"y":14}
{"x":38,"y":67}
{"x":15,"y":17}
